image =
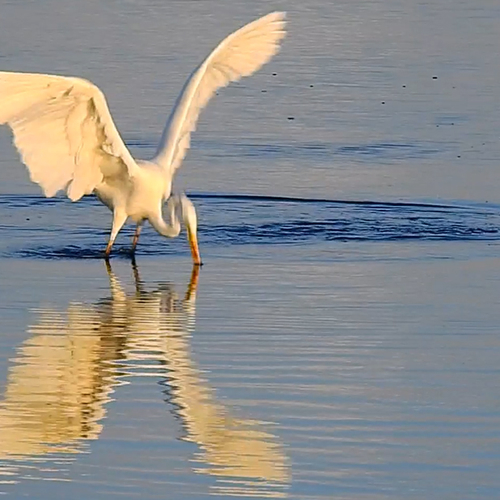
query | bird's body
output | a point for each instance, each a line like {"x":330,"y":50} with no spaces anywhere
{"x":133,"y":196}
{"x":67,"y":138}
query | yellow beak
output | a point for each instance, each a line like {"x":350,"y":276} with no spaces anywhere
{"x":193,"y":243}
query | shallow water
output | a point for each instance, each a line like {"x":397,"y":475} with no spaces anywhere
{"x":341,"y":340}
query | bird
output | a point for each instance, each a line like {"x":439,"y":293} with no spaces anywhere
{"x":64,"y":132}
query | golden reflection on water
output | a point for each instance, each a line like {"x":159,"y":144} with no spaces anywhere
{"x":66,"y":371}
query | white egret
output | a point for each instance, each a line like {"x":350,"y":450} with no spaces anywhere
{"x":66,"y":136}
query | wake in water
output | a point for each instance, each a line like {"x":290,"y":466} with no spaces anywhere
{"x":59,"y":229}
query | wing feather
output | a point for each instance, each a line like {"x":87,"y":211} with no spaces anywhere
{"x":64,"y":132}
{"x":240,"y":54}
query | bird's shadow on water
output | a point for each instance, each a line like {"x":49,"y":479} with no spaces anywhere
{"x":77,"y":252}
{"x":72,"y":252}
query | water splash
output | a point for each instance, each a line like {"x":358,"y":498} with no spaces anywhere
{"x":57,"y":229}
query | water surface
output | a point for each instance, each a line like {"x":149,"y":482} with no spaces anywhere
{"x":341,"y":340}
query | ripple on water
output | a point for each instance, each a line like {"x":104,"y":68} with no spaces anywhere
{"x":58,"y":229}
{"x":77,"y":360}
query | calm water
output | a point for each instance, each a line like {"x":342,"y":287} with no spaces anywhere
{"x":342,"y":340}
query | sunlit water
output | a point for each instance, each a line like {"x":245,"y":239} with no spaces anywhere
{"x":342,"y":340}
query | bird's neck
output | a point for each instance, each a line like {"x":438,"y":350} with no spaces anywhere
{"x":169,"y":230}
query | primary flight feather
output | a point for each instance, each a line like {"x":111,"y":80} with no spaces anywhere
{"x":67,"y":138}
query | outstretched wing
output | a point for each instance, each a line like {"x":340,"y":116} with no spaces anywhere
{"x":64,"y":132}
{"x":240,"y":54}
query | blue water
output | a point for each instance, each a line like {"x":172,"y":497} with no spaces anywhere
{"x":341,"y":340}
{"x":243,"y":220}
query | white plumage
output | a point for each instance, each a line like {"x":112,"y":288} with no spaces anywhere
{"x":64,"y":132}
{"x":67,"y":138}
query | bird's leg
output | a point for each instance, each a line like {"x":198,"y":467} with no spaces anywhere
{"x":119,"y":218}
{"x":108,"y":249}
{"x":136,"y":236}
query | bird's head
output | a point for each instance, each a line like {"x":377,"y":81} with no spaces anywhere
{"x":181,"y":203}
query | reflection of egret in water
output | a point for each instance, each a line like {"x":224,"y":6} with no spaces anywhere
{"x":65,"y":372}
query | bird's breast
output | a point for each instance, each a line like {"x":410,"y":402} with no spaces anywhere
{"x":146,"y":197}
{"x":110,"y":195}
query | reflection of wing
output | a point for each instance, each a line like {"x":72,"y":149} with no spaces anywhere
{"x":54,"y":397}
{"x":238,"y":451}
{"x":65,"y":372}
{"x":59,"y":383}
